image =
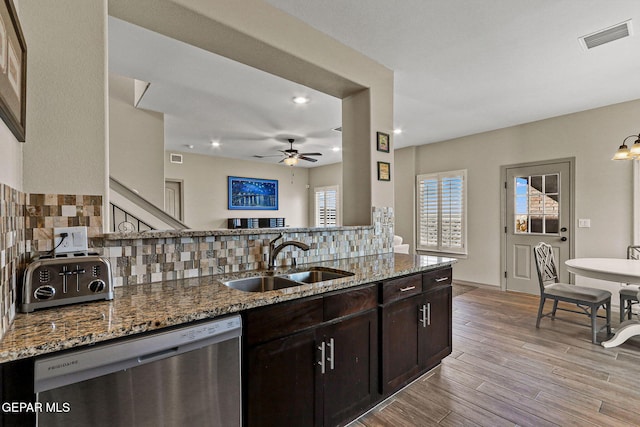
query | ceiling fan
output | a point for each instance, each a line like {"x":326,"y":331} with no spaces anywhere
{"x":291,"y":155}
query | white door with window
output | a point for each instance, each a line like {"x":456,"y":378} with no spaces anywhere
{"x":538,"y":209}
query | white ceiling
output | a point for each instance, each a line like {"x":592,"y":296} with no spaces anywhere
{"x":206,"y":97}
{"x":461,"y":67}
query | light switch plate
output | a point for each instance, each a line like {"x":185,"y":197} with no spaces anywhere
{"x":584,"y":223}
{"x":76,"y":240}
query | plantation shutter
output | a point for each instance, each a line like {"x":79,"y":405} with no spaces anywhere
{"x":327,"y":206}
{"x":441,"y":212}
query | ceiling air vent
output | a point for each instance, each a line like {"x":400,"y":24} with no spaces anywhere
{"x":176,"y":158}
{"x":607,"y":35}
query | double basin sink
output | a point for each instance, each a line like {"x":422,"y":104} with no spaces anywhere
{"x":282,"y":281}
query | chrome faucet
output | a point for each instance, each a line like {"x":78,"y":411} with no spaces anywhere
{"x":275,"y":250}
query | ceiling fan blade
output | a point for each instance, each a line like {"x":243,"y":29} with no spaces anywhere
{"x":262,"y":157}
{"x":311,"y":154}
{"x":281,"y":161}
{"x":309,"y":159}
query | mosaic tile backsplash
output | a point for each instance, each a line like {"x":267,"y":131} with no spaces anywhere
{"x":137,"y":261}
{"x":12,"y":251}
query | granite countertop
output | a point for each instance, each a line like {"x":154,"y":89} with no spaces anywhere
{"x":141,"y":308}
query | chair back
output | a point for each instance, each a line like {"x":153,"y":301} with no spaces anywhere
{"x":633,"y":252}
{"x":545,"y":264}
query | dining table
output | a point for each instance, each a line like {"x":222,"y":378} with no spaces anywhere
{"x":620,"y":270}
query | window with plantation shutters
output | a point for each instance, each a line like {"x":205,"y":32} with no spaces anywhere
{"x":327,"y":214}
{"x":441,"y":211}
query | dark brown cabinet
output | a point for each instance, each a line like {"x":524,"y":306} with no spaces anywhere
{"x":415,"y":326}
{"x":324,"y":360}
{"x":315,"y":370}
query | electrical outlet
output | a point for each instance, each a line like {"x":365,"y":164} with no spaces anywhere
{"x":76,"y":240}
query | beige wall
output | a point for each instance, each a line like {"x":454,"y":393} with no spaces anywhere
{"x":10,"y":158}
{"x":136,"y":142}
{"x":65,"y":150}
{"x":205,"y":190}
{"x":603,"y":188}
{"x":404,"y":182}
{"x":323,"y":176}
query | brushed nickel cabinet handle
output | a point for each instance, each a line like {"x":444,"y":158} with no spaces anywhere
{"x":442,"y":279}
{"x":428,"y":314}
{"x":322,"y":349}
{"x":331,"y":358}
{"x":408,"y":288}
{"x":423,"y":316}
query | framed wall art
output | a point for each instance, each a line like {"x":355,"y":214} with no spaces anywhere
{"x":382,"y":142}
{"x":13,"y":71}
{"x":252,"y":193}
{"x":384,"y":171}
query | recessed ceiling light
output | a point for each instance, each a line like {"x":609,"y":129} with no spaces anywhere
{"x":397,"y":131}
{"x":215,"y":143}
{"x":189,"y":146}
{"x":335,"y":149}
{"x":300,"y":99}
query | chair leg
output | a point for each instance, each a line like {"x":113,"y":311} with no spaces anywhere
{"x":555,"y":307}
{"x":623,"y":308}
{"x":608,"y":318}
{"x":594,"y":324}
{"x":540,"y":307}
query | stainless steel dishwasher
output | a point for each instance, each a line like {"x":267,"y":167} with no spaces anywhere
{"x":189,"y":376}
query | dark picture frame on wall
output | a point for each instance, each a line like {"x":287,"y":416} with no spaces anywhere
{"x":13,"y":71}
{"x":384,"y":171}
{"x":252,"y":193}
{"x":382,"y":142}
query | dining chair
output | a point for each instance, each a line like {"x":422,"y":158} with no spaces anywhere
{"x":588,"y":300}
{"x":629,"y":294}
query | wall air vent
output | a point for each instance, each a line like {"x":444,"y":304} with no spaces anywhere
{"x":175,"y":158}
{"x":607,"y":35}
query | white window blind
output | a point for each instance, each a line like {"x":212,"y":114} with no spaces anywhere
{"x":441,"y":212}
{"x":327,"y":206}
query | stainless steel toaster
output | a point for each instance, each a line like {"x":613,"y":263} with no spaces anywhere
{"x":61,"y":279}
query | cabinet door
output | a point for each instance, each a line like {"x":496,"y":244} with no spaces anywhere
{"x":280,"y":382}
{"x":435,"y":335}
{"x":400,"y":353}
{"x":351,"y":367}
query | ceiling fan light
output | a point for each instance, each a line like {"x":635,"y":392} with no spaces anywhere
{"x":623,"y":153}
{"x":290,"y":161}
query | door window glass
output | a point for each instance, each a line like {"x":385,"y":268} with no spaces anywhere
{"x":537,"y":208}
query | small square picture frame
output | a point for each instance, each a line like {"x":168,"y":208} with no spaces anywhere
{"x":384,"y":171}
{"x":382,"y":142}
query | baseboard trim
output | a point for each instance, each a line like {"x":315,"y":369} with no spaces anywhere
{"x":479,"y":285}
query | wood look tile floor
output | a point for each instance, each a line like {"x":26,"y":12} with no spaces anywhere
{"x":505,"y":372}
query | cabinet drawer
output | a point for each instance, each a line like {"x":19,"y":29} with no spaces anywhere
{"x":350,"y":302}
{"x":403,"y":287}
{"x":433,"y":279}
{"x":274,"y":321}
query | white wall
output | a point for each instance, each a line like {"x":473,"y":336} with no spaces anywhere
{"x":66,"y":124}
{"x":205,"y":190}
{"x":603,"y":188}
{"x":136,"y":142}
{"x":323,"y":176}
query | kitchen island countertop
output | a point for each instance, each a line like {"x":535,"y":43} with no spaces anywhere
{"x":154,"y":306}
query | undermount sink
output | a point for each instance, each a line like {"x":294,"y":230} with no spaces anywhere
{"x":315,"y":275}
{"x":261,"y":283}
{"x":270,"y":283}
